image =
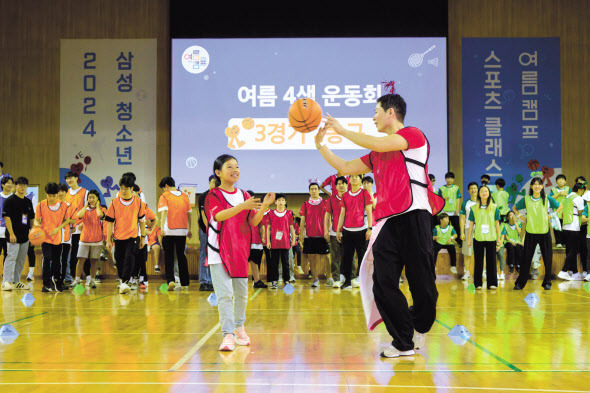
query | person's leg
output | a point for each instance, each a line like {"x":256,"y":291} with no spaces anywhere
{"x":46,"y":268}
{"x":284,"y":255}
{"x":347,"y":247}
{"x":168,"y":247}
{"x":255,"y":271}
{"x":510,"y":255}
{"x":360,"y":247}
{"x":490,"y":248}
{"x":56,"y":267}
{"x":547,"y":253}
{"x":204,"y":272}
{"x":335,"y":258}
{"x":571,"y":251}
{"x":501,"y":259}
{"x":74,"y":254}
{"x":10,"y":262}
{"x":452,"y":254}
{"x":224,"y":292}
{"x":65,"y":252}
{"x":455,"y":222}
{"x":583,"y":247}
{"x":530,"y":244}
{"x":314,"y":261}
{"x":518,"y":253}
{"x":21,"y":258}
{"x":180,"y":245}
{"x":436,"y":247}
{"x":32,"y":259}
{"x":272,"y":275}
{"x":291,"y":264}
{"x":587,"y":256}
{"x":80,"y":267}
{"x":478,"y":251}
{"x":240,"y":289}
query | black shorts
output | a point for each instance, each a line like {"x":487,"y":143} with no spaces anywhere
{"x":315,"y":245}
{"x":255,"y":256}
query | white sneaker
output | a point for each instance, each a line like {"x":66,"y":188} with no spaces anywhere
{"x":419,"y":339}
{"x":564,"y":276}
{"x":454,"y":269}
{"x":584,"y":275}
{"x":393,"y":352}
{"x":587,"y":278}
{"x":88,"y":279}
{"x":298,"y":270}
{"x":342,"y":278}
{"x":30,"y":277}
{"x":316,"y":283}
{"x":124,"y":288}
{"x":355,"y":283}
{"x":576,"y":277}
{"x":337,"y":284}
{"x":7,"y":286}
{"x":497,"y":276}
{"x":502,"y":276}
{"x":466,"y":277}
{"x":171,"y":285}
{"x":330,"y":282}
{"x":21,"y":286}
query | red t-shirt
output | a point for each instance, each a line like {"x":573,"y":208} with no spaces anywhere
{"x":334,"y":207}
{"x":279,"y":225}
{"x":392,"y":179}
{"x":355,"y":204}
{"x":314,"y":213}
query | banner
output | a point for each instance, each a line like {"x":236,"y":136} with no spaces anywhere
{"x":511,"y":111}
{"x":108,"y":114}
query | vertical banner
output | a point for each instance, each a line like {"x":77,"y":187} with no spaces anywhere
{"x":108,"y":113}
{"x":511,"y":111}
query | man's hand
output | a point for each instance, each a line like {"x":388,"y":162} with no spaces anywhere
{"x":339,"y":236}
{"x":333,"y":124}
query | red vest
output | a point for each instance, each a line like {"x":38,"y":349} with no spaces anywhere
{"x":234,"y":235}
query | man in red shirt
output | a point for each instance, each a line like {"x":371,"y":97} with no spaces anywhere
{"x":311,"y":236}
{"x":403,"y":234}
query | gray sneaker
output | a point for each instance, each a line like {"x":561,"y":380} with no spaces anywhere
{"x":329,"y":282}
{"x":316,"y":283}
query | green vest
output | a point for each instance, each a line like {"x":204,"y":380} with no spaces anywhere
{"x":568,"y":209}
{"x":512,"y":233}
{"x":485,"y":223}
{"x":537,"y":215}
{"x":451,"y":193}
{"x":560,"y":198}
{"x":443,"y":237}
{"x":501,"y":199}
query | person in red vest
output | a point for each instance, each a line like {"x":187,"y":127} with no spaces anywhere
{"x":402,"y":236}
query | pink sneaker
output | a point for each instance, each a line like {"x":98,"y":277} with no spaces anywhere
{"x":242,"y":337}
{"x":228,"y":343}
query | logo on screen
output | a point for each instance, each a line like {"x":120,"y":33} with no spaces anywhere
{"x":195,"y":59}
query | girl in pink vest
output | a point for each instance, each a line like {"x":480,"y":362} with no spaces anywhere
{"x":230,"y":212}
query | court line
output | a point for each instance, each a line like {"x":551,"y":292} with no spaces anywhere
{"x":575,"y":294}
{"x":504,"y":362}
{"x":298,"y":385}
{"x":22,"y":319}
{"x":286,"y":371}
{"x":202,"y":342}
{"x":251,"y":333}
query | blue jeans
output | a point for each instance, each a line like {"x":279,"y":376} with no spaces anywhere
{"x":204,"y":272}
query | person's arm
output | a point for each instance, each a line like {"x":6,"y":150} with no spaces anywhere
{"x":327,"y":220}
{"x":204,"y":217}
{"x":326,"y":191}
{"x":353,"y":167}
{"x":110,"y":226}
{"x":369,"y":210}
{"x":80,"y":212}
{"x":260,"y":207}
{"x":189,"y":233}
{"x":293,"y":239}
{"x":459,"y":203}
{"x":470,"y":234}
{"x":453,"y":237}
{"x":340,"y":224}
{"x":462,"y":225}
{"x":164,"y":215}
{"x":387,"y":143}
{"x":302,"y":231}
{"x":99,"y":212}
{"x":8,"y":224}
{"x":498,"y":235}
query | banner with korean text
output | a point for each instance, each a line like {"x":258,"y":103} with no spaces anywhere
{"x":511,"y":111}
{"x":108,"y":113}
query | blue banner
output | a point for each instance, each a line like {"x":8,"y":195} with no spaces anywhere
{"x":511,"y":111}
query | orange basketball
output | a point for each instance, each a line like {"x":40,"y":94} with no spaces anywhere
{"x":36,"y":236}
{"x":305,"y":115}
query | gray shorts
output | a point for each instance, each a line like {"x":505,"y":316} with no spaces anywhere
{"x":87,"y":251}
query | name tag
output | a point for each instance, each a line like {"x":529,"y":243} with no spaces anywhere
{"x":451,"y":201}
{"x":279,"y":235}
{"x":25,"y":219}
{"x":485,"y":229}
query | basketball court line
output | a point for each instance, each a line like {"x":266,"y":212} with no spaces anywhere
{"x":74,"y":370}
{"x":504,"y":362}
{"x":262,"y":384}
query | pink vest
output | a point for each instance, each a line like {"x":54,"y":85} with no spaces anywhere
{"x":235,"y":236}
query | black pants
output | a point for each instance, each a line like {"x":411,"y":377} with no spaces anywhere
{"x":74,"y":254}
{"x":450,"y":249}
{"x":352,"y":241}
{"x":514,"y":254}
{"x":139,"y":269}
{"x":405,"y":241}
{"x":64,"y":253}
{"x":31,"y":255}
{"x":559,"y":238}
{"x":530,"y":243}
{"x":572,"y":249}
{"x":583,"y":246}
{"x":267,"y":258}
{"x":297,"y":252}
{"x":125,"y":251}
{"x":456,"y":224}
{"x":51,"y":264}
{"x":489,"y":248}
{"x":178,"y":244}
{"x":277,"y":254}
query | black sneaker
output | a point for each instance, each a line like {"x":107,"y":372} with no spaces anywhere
{"x":347,"y":284}
{"x":517,"y":287}
{"x":157,"y":269}
{"x":260,"y":284}
{"x":45,"y":289}
{"x":203,"y":288}
{"x":210,"y":287}
{"x":512,"y":269}
{"x":547,"y":286}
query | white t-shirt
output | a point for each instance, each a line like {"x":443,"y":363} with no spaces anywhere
{"x":578,"y":205}
{"x":213,"y":257}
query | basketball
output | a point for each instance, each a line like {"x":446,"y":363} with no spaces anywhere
{"x":305,"y":115}
{"x":36,"y":236}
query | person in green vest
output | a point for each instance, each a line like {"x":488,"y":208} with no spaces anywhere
{"x":500,"y":198}
{"x":559,"y":193}
{"x":467,"y":249}
{"x":537,"y":206}
{"x":584,"y":229}
{"x":585,"y":221}
{"x":452,"y":196}
{"x":513,"y":239}
{"x":573,"y":206}
{"x":484,"y":226}
{"x":444,"y":236}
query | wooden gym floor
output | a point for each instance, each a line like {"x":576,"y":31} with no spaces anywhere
{"x":313,"y":340}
